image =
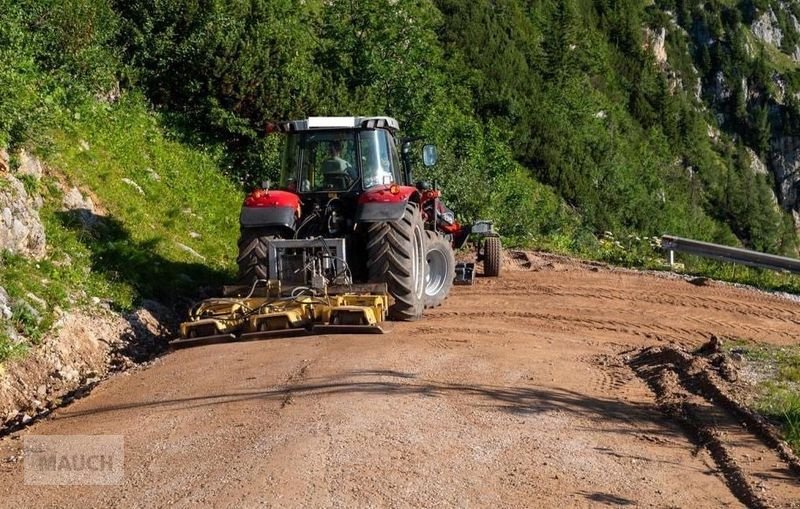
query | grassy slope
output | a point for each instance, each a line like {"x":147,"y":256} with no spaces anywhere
{"x":777,"y":395}
{"x":133,"y":249}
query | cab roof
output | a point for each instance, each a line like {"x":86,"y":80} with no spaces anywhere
{"x":315,"y":123}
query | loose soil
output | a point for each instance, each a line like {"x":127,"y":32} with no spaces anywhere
{"x":557,"y":384}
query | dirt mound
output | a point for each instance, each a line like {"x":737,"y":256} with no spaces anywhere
{"x":695,"y":390}
{"x":518,"y":260}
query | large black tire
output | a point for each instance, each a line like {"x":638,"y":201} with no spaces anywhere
{"x":396,"y":256}
{"x":253,"y":256}
{"x":441,"y":269}
{"x":491,"y":256}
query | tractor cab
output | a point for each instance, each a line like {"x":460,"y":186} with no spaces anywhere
{"x":339,"y":155}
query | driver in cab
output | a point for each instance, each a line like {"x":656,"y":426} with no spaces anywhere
{"x":337,"y":172}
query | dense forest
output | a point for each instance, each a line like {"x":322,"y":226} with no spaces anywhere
{"x":558,"y":119}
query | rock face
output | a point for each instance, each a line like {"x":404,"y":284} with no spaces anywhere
{"x":21,"y":230}
{"x":767,"y":29}
{"x":5,"y":305}
{"x":4,"y":165}
{"x":656,"y":41}
{"x":82,"y":206}
{"x":721,"y":90}
{"x":82,"y":348}
{"x":785,"y":166}
{"x":29,"y":165}
{"x":757,"y":166}
{"x":786,"y":169}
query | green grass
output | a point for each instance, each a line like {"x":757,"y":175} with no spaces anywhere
{"x":132,"y":250}
{"x":162,"y":199}
{"x":778,"y":395}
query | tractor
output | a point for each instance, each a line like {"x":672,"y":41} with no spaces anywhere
{"x":351,"y":178}
{"x":344,"y":219}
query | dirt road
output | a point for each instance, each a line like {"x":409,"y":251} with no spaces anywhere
{"x":514,"y":393}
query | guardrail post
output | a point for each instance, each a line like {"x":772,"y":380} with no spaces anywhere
{"x":671,"y":259}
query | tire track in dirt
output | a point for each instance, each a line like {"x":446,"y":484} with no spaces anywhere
{"x":760,"y":469}
{"x":609,"y":374}
{"x":776,"y":312}
{"x":657,"y":331}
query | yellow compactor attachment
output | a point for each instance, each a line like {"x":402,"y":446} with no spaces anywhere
{"x":275,"y":314}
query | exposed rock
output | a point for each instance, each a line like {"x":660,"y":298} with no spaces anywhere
{"x":29,"y":165}
{"x":184,"y":247}
{"x":780,"y":87}
{"x":674,"y":81}
{"x":81,"y":349}
{"x":766,"y":28}
{"x":713,"y":132}
{"x":28,"y":310}
{"x":21,"y":230}
{"x":4,"y":161}
{"x":757,"y":166}
{"x":5,"y":305}
{"x":656,"y":41}
{"x":36,"y":299}
{"x":74,"y":200}
{"x":698,"y":90}
{"x":786,"y":170}
{"x":721,"y":90}
{"x":153,"y":175}
{"x":82,"y":206}
{"x":134,"y":185}
{"x":111,"y":95}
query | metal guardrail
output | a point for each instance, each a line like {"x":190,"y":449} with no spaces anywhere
{"x":728,"y":254}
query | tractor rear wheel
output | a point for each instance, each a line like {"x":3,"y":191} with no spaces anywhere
{"x":253,"y":255}
{"x":396,"y":256}
{"x":441,"y":271}
{"x":491,"y":256}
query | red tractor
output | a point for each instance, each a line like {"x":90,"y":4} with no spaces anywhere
{"x":346,"y":190}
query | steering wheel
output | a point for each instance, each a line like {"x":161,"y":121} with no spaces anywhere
{"x":333,"y":179}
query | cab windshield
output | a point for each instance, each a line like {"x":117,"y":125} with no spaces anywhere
{"x":379,"y":161}
{"x":339,"y":161}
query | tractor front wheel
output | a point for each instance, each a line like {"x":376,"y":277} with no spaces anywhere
{"x":396,"y":256}
{"x":441,"y":271}
{"x":253,"y":255}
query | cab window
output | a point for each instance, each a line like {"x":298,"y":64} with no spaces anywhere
{"x":327,"y":162}
{"x":379,"y":161}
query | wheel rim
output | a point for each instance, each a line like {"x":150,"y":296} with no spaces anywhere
{"x":435,"y":278}
{"x":418,"y":263}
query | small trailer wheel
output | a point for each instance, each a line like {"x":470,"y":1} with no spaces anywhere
{"x":491,"y":256}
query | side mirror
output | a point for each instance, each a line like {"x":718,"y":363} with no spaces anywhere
{"x":429,"y":155}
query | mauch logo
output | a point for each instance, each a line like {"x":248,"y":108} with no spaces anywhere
{"x":73,"y":459}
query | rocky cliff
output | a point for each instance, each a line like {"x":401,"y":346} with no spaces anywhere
{"x":745,"y":59}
